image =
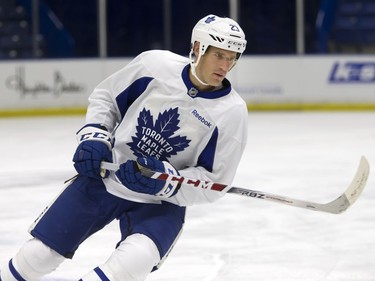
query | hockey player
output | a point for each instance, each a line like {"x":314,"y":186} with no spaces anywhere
{"x":164,"y":112}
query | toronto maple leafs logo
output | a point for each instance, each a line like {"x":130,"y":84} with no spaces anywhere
{"x":158,"y":140}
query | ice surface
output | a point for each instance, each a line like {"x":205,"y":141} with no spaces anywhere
{"x":311,"y":156}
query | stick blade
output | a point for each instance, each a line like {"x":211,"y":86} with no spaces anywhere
{"x":351,"y":194}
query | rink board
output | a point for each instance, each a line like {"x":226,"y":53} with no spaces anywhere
{"x":50,"y":87}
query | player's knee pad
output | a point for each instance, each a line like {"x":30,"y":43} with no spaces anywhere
{"x":133,"y":260}
{"x":32,"y":261}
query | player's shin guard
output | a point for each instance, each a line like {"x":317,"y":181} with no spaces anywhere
{"x":32,"y":261}
{"x":133,"y":260}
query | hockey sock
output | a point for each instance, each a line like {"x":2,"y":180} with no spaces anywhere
{"x":133,"y":260}
{"x":9,"y":273}
{"x":33,"y":261}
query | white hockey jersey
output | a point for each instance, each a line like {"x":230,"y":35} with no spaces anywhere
{"x":153,"y":109}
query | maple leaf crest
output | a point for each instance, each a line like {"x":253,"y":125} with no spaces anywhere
{"x":158,"y":140}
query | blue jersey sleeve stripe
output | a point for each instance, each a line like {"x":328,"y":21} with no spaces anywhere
{"x":130,"y":94}
{"x":206,"y":158}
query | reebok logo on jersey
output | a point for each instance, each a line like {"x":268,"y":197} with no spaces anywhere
{"x":158,"y":139}
{"x":201,"y":118}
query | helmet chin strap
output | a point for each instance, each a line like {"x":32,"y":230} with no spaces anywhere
{"x":193,"y":65}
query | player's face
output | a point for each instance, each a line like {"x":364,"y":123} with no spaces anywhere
{"x":214,"y":65}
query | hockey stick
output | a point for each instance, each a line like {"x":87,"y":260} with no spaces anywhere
{"x":337,"y":206}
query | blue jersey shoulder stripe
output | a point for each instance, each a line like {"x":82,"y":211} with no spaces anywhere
{"x":130,"y":94}
{"x":206,"y":158}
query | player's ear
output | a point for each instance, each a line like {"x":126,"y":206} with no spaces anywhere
{"x":196,"y":48}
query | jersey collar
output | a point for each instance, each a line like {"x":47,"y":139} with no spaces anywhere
{"x":195,"y":93}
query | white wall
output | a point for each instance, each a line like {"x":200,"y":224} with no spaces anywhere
{"x":264,"y":80}
{"x":51,"y":83}
{"x":307,"y":79}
